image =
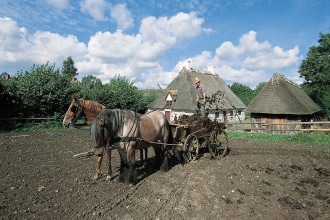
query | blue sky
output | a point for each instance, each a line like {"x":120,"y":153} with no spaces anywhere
{"x":150,"y":41}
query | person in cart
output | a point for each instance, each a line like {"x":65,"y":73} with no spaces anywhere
{"x":201,"y":96}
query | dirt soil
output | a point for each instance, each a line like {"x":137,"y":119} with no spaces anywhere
{"x":40,"y":179}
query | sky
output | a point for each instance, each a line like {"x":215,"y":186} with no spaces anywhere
{"x":150,"y":41}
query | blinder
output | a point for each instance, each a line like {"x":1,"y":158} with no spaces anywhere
{"x":77,"y":110}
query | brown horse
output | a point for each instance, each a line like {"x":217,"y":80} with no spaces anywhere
{"x":89,"y":108}
{"x":128,"y":131}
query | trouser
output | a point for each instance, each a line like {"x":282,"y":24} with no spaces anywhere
{"x":201,"y":108}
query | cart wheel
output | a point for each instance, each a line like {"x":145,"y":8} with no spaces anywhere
{"x":191,"y":148}
{"x":218,"y":145}
{"x":213,"y":144}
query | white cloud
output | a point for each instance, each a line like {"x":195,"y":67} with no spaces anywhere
{"x":95,"y":8}
{"x":249,"y":62}
{"x":47,"y":46}
{"x":17,"y":47}
{"x":113,"y":47}
{"x":250,"y":53}
{"x":154,"y":77}
{"x":120,"y":53}
{"x":139,"y":56}
{"x":169,"y":30}
{"x":122,"y":16}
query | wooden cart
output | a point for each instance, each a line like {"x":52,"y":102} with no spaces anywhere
{"x":196,"y":134}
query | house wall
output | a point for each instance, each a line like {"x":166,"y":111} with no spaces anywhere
{"x":277,"y":124}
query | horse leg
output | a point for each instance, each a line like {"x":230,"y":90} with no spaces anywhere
{"x":108,"y":156}
{"x":98,"y":168}
{"x":132,"y":175}
{"x":165,"y":167}
{"x":123,"y":165}
{"x":141,"y":157}
{"x":159,"y":157}
{"x":145,"y":156}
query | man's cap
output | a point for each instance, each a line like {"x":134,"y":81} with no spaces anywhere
{"x":197,"y":79}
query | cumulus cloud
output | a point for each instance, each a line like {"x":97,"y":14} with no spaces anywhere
{"x":95,"y":8}
{"x":249,"y":62}
{"x":120,"y":53}
{"x":113,"y":47}
{"x":139,"y":56}
{"x":253,"y":54}
{"x":169,"y":30}
{"x":101,"y":10}
{"x":122,"y":16}
{"x":17,"y":46}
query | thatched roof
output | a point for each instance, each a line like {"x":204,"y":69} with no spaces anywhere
{"x":182,"y":89}
{"x":281,"y":96}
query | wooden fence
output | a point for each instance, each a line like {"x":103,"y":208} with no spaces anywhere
{"x":319,"y":126}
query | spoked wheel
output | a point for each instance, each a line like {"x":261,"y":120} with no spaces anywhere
{"x":191,"y":148}
{"x":218,"y":145}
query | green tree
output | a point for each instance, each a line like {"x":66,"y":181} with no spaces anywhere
{"x":121,"y":93}
{"x":315,"y":70}
{"x":91,"y":88}
{"x":258,"y":89}
{"x":68,"y":69}
{"x":42,"y":91}
{"x":243,"y":92}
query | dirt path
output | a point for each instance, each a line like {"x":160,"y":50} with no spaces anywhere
{"x":258,"y":180}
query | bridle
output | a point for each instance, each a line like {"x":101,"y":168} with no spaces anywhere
{"x":76,"y":113}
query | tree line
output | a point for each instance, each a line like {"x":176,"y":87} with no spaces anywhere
{"x":45,"y":91}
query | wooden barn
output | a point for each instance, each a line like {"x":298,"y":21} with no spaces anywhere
{"x":180,"y":95}
{"x":281,"y":104}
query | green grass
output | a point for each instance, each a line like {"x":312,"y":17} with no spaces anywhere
{"x":317,"y":138}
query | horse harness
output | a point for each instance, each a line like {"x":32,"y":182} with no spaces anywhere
{"x":127,"y":139}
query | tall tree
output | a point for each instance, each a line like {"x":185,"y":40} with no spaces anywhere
{"x":245,"y":93}
{"x":259,"y":87}
{"x":315,"y":70}
{"x":91,"y":88}
{"x":68,"y":68}
{"x":121,"y":93}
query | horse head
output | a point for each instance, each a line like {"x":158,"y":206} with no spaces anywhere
{"x":72,"y":113}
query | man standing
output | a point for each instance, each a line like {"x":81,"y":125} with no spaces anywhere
{"x":201,"y":96}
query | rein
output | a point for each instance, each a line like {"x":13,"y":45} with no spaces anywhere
{"x":77,"y":112}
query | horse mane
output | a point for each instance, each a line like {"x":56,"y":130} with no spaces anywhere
{"x":91,"y":106}
{"x":114,"y":117}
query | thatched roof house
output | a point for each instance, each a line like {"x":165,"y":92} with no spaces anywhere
{"x":180,"y":95}
{"x":281,"y":101}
